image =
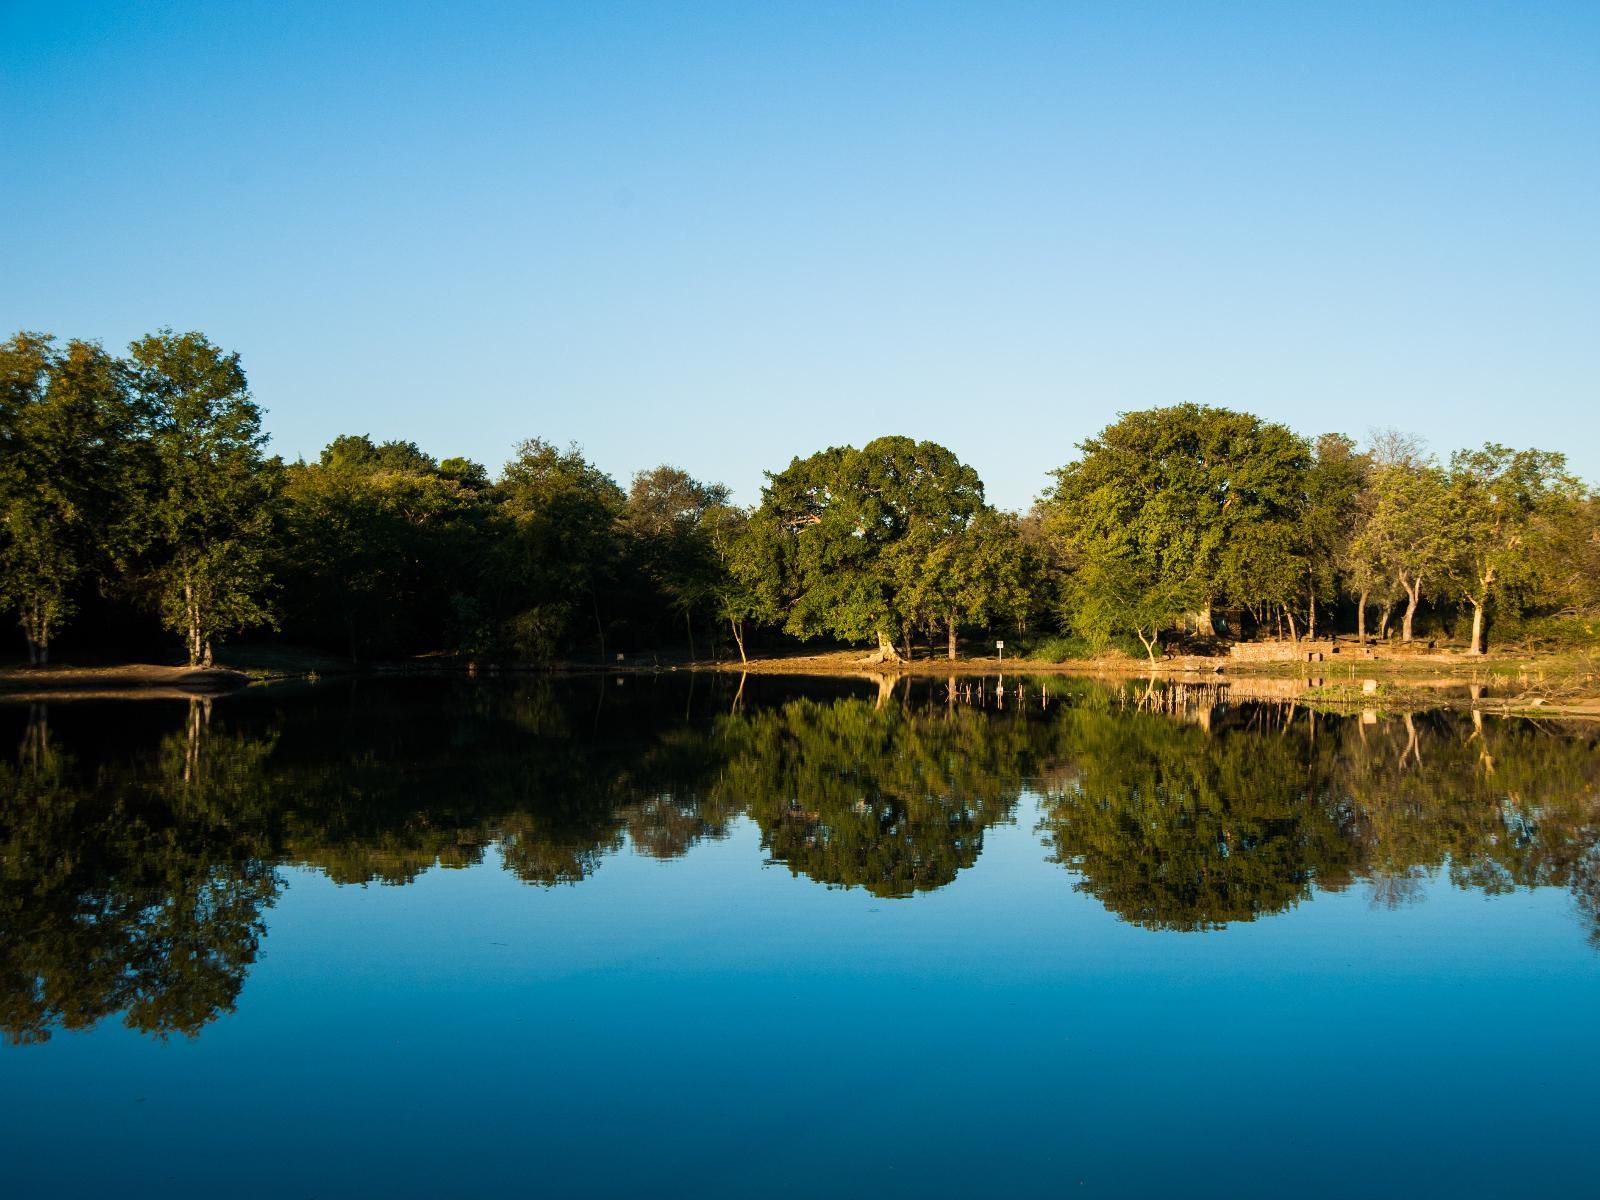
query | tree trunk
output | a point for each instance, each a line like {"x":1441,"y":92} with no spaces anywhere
{"x":205,"y":657}
{"x":1413,"y":597}
{"x":688,"y":623}
{"x":950,"y":627}
{"x":1361,"y":619}
{"x":36,"y":628}
{"x":1311,"y":625}
{"x":599,"y":625}
{"x":1479,"y":603}
{"x":1383,"y":620}
{"x":885,"y":651}
{"x":1477,"y":624}
{"x":738,"y":637}
{"x":910,"y":656}
{"x":1150,"y":643}
{"x":191,"y":610}
{"x":1294,"y":636}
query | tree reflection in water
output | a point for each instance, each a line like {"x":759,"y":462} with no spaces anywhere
{"x":137,"y":888}
{"x":141,"y":843}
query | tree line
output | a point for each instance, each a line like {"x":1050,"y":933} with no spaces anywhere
{"x":138,"y":489}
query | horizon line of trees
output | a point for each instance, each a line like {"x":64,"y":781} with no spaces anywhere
{"x":137,"y":490}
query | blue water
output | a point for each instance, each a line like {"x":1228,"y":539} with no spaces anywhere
{"x":715,"y":1024}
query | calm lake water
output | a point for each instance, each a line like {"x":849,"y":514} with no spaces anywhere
{"x":676,"y":936}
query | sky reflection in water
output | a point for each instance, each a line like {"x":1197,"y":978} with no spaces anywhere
{"x":1234,"y":950}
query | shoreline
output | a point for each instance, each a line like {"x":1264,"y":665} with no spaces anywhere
{"x":1550,"y":686}
{"x":1555,"y":685}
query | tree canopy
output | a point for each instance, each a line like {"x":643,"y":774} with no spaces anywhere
{"x":845,"y":532}
{"x":1178,"y":510}
{"x":138,"y":489}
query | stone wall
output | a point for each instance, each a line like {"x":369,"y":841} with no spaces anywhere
{"x":1301,"y":651}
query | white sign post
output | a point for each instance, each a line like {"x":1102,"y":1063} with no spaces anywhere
{"x":1000,"y":648}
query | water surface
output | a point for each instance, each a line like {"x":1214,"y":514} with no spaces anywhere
{"x":688,"y":936}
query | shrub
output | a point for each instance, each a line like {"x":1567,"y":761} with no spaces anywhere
{"x":1556,"y":631}
{"x":1073,"y":648}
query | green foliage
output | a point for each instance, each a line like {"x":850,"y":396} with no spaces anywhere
{"x":144,"y":481}
{"x":1178,"y":509}
{"x":210,"y":516}
{"x":67,"y":477}
{"x":1570,"y":548}
{"x":378,"y":560}
{"x":1335,"y":486}
{"x":1505,"y":509}
{"x":560,"y":546}
{"x":1550,"y":631}
{"x":841,"y":536}
{"x":1407,"y":536}
{"x":1075,"y":647}
{"x":742,"y":589}
{"x":672,"y":521}
{"x":981,"y":574}
{"x":357,"y":452}
{"x":1061,"y":649}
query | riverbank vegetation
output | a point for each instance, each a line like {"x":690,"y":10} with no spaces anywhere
{"x":140,"y":511}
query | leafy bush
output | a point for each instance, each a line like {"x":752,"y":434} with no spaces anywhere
{"x":1556,"y":631}
{"x":1075,"y":648}
{"x":1059,"y":649}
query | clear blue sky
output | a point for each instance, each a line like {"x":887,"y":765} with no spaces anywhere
{"x":722,"y":235}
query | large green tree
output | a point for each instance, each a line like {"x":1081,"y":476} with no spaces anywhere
{"x":1572,"y":557}
{"x":1408,"y":534}
{"x":980,"y":574}
{"x":66,"y":442}
{"x":1504,"y":504}
{"x":669,"y":519}
{"x":1335,"y":487}
{"x":560,"y":547}
{"x":210,"y":517}
{"x":833,"y":530}
{"x":1175,"y":510}
{"x":381,"y":552}
{"x":744,"y":590}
